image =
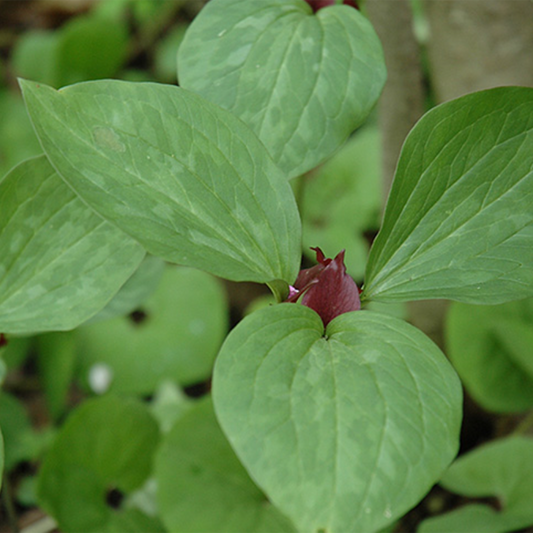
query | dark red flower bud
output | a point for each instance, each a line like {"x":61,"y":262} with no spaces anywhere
{"x":319,"y":4}
{"x":3,"y":340}
{"x":326,"y":288}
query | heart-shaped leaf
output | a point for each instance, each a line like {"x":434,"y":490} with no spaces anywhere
{"x":344,"y":432}
{"x":459,"y":221}
{"x":184,"y":177}
{"x":180,"y":330}
{"x":202,"y":486}
{"x":303,"y":82}
{"x":106,"y":445}
{"x":60,"y":262}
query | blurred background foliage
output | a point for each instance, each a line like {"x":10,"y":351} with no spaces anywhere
{"x":130,"y":378}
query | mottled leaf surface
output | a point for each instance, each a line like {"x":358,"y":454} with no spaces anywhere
{"x":60,"y":262}
{"x":303,"y":82}
{"x":459,"y":220}
{"x":184,"y":177}
{"x":344,"y":432}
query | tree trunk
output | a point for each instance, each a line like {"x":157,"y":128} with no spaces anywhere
{"x":478,"y":44}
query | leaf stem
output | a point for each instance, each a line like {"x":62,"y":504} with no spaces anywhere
{"x":7,"y":501}
{"x":525,"y":426}
{"x":279,"y":288}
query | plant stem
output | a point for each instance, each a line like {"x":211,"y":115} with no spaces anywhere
{"x":525,"y":425}
{"x":279,"y":288}
{"x":7,"y":501}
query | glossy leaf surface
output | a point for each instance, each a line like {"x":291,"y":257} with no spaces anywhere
{"x":185,"y":178}
{"x":490,"y":347}
{"x":344,"y":432}
{"x":203,"y":487}
{"x":60,"y":263}
{"x":105,"y":444}
{"x":303,"y":82}
{"x":459,"y":223}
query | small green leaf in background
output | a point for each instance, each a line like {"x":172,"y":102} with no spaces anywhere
{"x":56,"y":364}
{"x":342,"y":200}
{"x":17,"y":138}
{"x":302,"y":82}
{"x":89,"y":48}
{"x":16,"y":351}
{"x":459,"y":222}
{"x":106,"y":444}
{"x":184,"y":177}
{"x":345,"y":432}
{"x":85,"y":48}
{"x":60,"y":263}
{"x":1,"y":458}
{"x":34,"y":56}
{"x":177,"y":335}
{"x":501,"y":469}
{"x":135,"y":291}
{"x":165,"y":64}
{"x":491,"y":348}
{"x":202,"y":487}
{"x":21,"y":442}
{"x":3,"y":369}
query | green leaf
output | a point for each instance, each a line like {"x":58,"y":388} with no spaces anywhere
{"x":177,"y":336}
{"x":90,"y":48}
{"x":344,"y":432}
{"x":459,"y":223}
{"x":56,"y":363}
{"x":17,"y":138}
{"x":165,"y":65}
{"x":483,"y":358}
{"x":105,"y":444}
{"x":202,"y":487}
{"x":34,"y":56}
{"x":504,"y":469}
{"x":473,"y":518}
{"x":185,"y":178}
{"x":60,"y":263}
{"x":16,"y":351}
{"x":1,"y":458}
{"x":135,"y":291}
{"x":302,"y":82}
{"x":85,"y":48}
{"x":20,"y":443}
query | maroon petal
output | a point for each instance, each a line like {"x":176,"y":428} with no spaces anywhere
{"x":3,"y":340}
{"x":319,"y":4}
{"x":335,"y":292}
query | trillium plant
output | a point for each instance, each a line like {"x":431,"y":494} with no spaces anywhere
{"x":344,"y":417}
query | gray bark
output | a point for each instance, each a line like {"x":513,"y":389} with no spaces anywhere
{"x":402,"y":101}
{"x":478,"y":44}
